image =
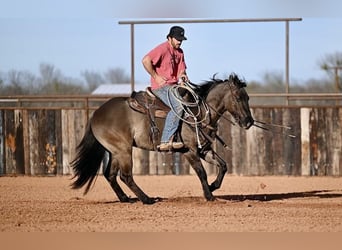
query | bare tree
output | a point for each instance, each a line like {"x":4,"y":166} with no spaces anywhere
{"x":116,"y":75}
{"x":49,"y":74}
{"x":332,"y":64}
{"x":2,"y":79}
{"x":92,"y":79}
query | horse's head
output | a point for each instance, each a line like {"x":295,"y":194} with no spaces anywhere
{"x":236,"y":101}
{"x":228,"y":95}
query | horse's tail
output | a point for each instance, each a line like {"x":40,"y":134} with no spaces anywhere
{"x":88,"y":160}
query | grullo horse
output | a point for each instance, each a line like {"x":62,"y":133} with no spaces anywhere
{"x":115,"y":128}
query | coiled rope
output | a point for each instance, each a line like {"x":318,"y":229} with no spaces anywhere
{"x":190,"y":108}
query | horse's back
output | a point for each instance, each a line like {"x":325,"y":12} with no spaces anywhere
{"x":115,"y":121}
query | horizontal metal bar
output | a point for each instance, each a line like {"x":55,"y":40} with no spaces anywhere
{"x":82,"y":98}
{"x":297,"y":95}
{"x":240,"y":20}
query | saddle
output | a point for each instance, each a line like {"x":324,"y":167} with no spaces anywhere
{"x":147,"y":103}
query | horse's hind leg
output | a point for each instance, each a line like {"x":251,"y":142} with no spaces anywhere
{"x":126,"y":176}
{"x":110,"y":174}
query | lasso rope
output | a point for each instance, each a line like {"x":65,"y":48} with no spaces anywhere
{"x":188,"y":106}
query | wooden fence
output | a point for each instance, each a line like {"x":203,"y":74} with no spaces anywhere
{"x":42,"y":141}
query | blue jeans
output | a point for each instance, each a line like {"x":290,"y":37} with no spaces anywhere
{"x":172,"y":120}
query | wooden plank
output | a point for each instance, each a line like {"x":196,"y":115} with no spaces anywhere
{"x":67,"y":137}
{"x":265,"y":153}
{"x":237,"y":155}
{"x":292,"y":146}
{"x":338,"y":147}
{"x":153,"y":162}
{"x":76,"y":127}
{"x":2,"y":143}
{"x":140,"y":161}
{"x":321,"y":137}
{"x":10,"y":147}
{"x":65,"y":141}
{"x":277,"y":146}
{"x":165,"y":163}
{"x":305,"y":141}
{"x":42,"y":168}
{"x":19,"y":142}
{"x":43,"y":137}
{"x":79,"y":121}
{"x":49,"y":154}
{"x":334,"y":141}
{"x":177,"y":164}
{"x":73,"y":123}
{"x":33,"y":141}
{"x":26,"y":142}
{"x":313,"y":142}
{"x":328,"y":141}
{"x":255,"y":147}
{"x":59,"y":142}
{"x":339,"y":152}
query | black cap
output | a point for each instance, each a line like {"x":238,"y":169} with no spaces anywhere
{"x":177,"y":32}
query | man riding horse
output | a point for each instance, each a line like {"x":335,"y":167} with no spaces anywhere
{"x":165,"y":64}
{"x":115,"y":127}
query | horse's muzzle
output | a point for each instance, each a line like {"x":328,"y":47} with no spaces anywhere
{"x":247,"y":122}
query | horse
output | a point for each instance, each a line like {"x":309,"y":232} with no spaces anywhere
{"x":115,"y":128}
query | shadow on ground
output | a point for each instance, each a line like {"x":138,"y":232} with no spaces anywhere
{"x":323,"y":194}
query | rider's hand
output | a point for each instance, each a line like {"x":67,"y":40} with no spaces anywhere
{"x":184,"y":78}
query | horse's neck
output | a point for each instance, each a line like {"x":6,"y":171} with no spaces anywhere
{"x":215,"y":104}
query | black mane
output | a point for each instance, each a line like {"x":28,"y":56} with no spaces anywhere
{"x":204,"y":88}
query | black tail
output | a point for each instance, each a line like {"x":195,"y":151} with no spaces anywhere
{"x":87,"y":161}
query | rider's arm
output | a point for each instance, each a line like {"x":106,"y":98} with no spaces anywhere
{"x":147,"y":62}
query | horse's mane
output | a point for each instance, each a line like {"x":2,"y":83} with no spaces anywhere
{"x":204,"y":88}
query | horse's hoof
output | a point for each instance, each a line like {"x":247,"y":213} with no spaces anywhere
{"x":211,"y":198}
{"x":129,"y":200}
{"x":149,"y":201}
{"x":125,"y":199}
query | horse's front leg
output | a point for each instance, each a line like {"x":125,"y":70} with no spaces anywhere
{"x":213,"y":158}
{"x":196,"y":164}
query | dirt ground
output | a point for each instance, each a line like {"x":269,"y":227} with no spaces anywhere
{"x":244,"y":204}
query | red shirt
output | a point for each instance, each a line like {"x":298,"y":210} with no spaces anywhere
{"x":168,"y":62}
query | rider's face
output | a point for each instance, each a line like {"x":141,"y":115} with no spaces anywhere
{"x":175,"y":43}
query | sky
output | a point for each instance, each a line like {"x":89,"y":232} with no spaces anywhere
{"x":79,"y":35}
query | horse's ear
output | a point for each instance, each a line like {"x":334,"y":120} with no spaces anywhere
{"x":231,"y":78}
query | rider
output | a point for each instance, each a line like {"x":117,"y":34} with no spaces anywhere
{"x":165,"y":64}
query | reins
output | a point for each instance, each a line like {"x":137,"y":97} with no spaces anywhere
{"x":270,"y":127}
{"x":193,"y":110}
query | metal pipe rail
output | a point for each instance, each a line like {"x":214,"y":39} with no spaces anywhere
{"x":92,"y":102}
